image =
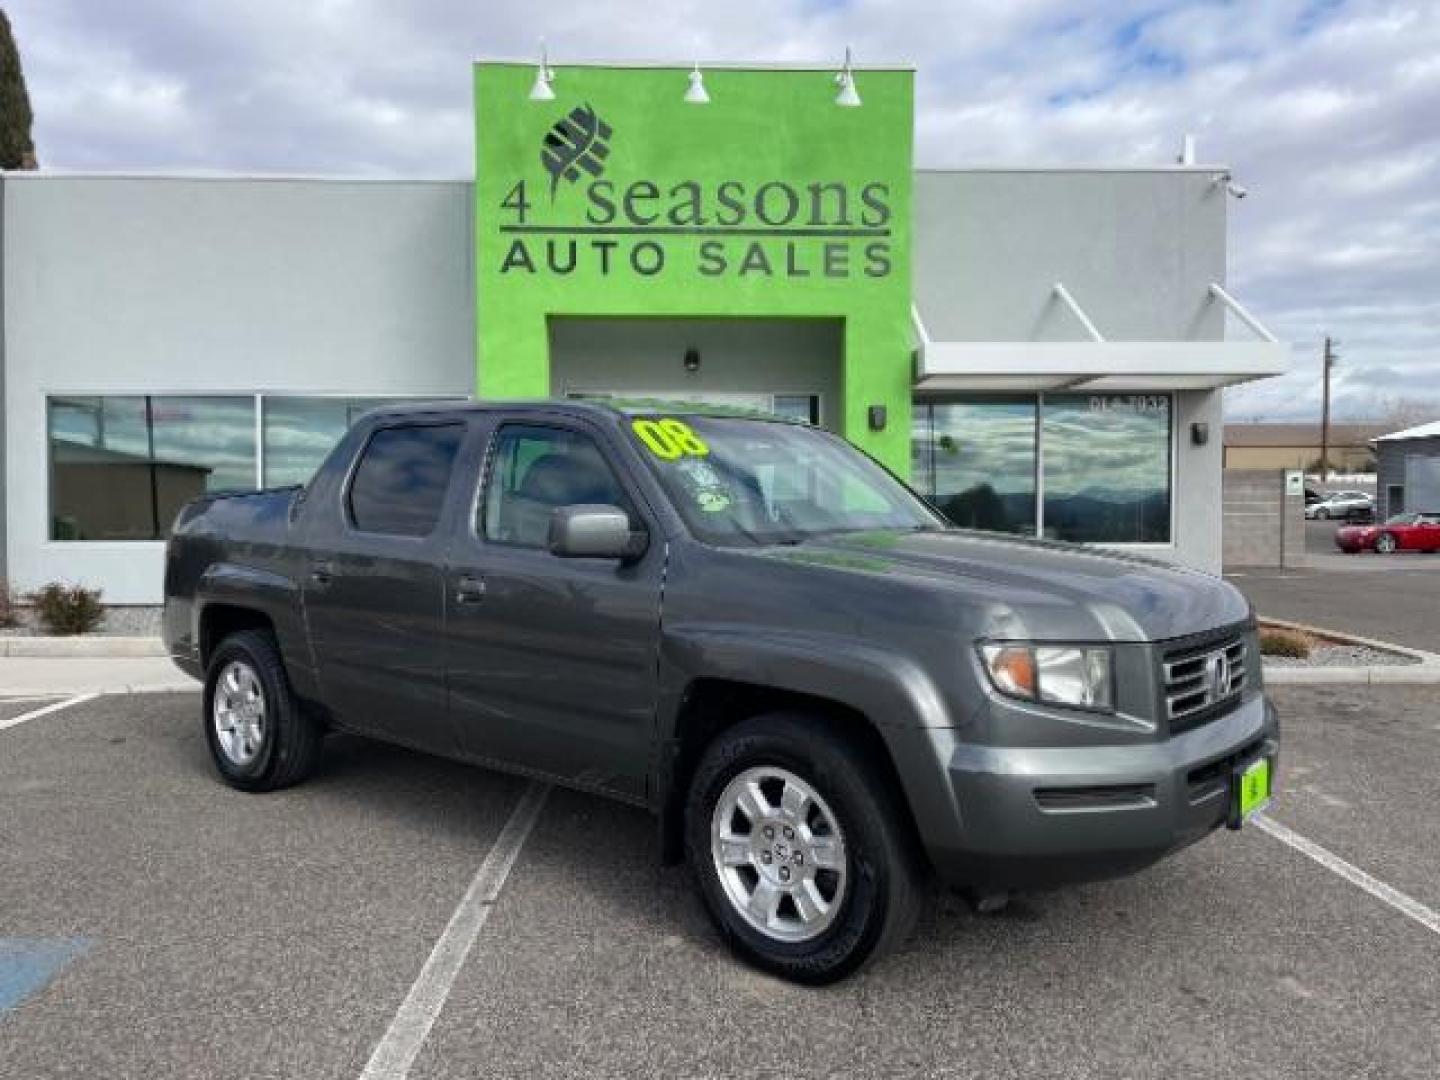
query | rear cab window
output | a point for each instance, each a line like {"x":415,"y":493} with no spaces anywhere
{"x":399,"y":484}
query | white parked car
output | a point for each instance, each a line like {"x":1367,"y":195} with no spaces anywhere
{"x":1342,"y":504}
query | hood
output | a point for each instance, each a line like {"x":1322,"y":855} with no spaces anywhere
{"x":1037,"y":589}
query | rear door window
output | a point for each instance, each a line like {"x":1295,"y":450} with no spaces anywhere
{"x":400,"y":481}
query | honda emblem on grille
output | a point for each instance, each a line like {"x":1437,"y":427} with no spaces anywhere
{"x":1217,"y":676}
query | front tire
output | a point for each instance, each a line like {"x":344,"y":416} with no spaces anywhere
{"x":1385,"y":544}
{"x":259,"y":735}
{"x":802,"y":854}
{"x":1322,"y":514}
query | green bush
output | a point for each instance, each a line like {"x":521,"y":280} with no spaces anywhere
{"x":9,"y":606}
{"x":1276,"y":641}
{"x":67,"y":609}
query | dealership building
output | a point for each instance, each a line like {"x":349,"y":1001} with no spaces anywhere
{"x":1041,"y":351}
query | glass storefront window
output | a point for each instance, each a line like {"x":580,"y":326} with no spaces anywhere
{"x":121,"y":467}
{"x":1107,"y":467}
{"x":976,"y":462}
{"x":299,"y":431}
{"x":1098,"y":465}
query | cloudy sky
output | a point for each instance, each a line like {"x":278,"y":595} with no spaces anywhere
{"x":1328,"y":111}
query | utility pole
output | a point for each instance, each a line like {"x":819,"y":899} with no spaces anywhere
{"x":1325,"y":410}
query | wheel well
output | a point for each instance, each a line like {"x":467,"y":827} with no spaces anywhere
{"x":711,"y":706}
{"x":219,"y":621}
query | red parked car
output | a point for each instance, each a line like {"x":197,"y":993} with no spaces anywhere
{"x":1403,"y":532}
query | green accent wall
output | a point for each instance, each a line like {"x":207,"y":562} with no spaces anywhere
{"x":771,"y":201}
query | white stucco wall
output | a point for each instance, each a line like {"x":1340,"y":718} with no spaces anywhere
{"x":178,"y":286}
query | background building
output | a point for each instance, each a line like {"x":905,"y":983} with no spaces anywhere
{"x":1297,"y":446}
{"x":1408,"y":473}
{"x":1040,"y":350}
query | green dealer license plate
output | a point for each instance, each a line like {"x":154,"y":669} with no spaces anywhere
{"x":1252,"y":788}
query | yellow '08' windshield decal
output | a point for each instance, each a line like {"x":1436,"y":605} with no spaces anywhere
{"x":669,"y":439}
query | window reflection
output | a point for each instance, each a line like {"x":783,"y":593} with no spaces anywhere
{"x":121,"y":467}
{"x":1107,"y":467}
{"x":976,"y":459}
{"x":300,"y":431}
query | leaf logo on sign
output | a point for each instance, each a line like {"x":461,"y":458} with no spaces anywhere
{"x":579,"y":140}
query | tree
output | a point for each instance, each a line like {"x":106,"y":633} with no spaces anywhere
{"x":1400,"y":413}
{"x":17,"y":149}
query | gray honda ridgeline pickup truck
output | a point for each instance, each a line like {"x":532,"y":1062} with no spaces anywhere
{"x":823,"y":690}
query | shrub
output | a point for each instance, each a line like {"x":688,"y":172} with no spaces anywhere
{"x":67,"y":609}
{"x":1277,"y":641}
{"x":9,"y":606}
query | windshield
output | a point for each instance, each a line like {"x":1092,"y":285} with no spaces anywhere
{"x":751,"y":482}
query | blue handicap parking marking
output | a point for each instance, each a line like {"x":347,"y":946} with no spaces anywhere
{"x":27,"y":964}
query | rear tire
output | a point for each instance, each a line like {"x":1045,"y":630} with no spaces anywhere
{"x":1322,"y":514}
{"x":259,"y":735}
{"x":820,"y":874}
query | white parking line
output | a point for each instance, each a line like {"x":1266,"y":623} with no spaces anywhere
{"x":396,"y":1052}
{"x":35,"y":714}
{"x":1406,"y":905}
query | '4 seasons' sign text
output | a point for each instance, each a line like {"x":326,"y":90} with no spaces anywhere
{"x":648,"y":227}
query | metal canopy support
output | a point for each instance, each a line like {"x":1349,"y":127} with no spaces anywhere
{"x":1255,"y":325}
{"x":922,"y":336}
{"x":1075,"y":309}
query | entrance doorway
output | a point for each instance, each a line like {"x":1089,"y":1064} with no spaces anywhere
{"x":789,"y":367}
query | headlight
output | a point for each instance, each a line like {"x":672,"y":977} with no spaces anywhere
{"x":1076,"y":675}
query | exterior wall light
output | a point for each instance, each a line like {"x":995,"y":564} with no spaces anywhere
{"x":692,"y":354}
{"x":876,"y":415}
{"x":848,"y":95}
{"x":696,"y":94}
{"x":544,"y":76}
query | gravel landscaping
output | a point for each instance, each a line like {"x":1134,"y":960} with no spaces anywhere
{"x":138,"y":621}
{"x":1333,"y":655}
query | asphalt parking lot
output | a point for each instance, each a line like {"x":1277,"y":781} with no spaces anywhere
{"x":1387,"y":597}
{"x":156,"y":924}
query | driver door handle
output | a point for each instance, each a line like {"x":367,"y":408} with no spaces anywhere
{"x":322,"y":573}
{"x":469,"y":589}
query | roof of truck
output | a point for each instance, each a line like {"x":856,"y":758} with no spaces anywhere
{"x":608,"y":407}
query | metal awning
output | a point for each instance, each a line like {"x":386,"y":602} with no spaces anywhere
{"x":1096,"y":363}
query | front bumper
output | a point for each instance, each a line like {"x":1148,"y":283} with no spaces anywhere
{"x":1034,"y":817}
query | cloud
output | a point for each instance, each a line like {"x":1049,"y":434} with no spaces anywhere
{"x":1325,"y":110}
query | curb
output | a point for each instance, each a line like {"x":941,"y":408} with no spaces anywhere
{"x":82,"y":645}
{"x":1425,"y":672}
{"x":1389,"y":675}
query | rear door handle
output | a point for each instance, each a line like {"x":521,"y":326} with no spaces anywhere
{"x":469,"y":590}
{"x":322,"y":574}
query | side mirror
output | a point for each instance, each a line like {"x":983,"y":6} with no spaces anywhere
{"x":594,"y":531}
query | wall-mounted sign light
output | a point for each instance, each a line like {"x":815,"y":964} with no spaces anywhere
{"x":544,"y":76}
{"x":696,"y":94}
{"x":848,"y":95}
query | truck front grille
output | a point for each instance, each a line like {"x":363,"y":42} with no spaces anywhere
{"x":1200,"y":681}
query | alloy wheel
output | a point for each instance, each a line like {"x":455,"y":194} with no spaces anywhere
{"x":238,"y":712}
{"x":779,"y":853}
